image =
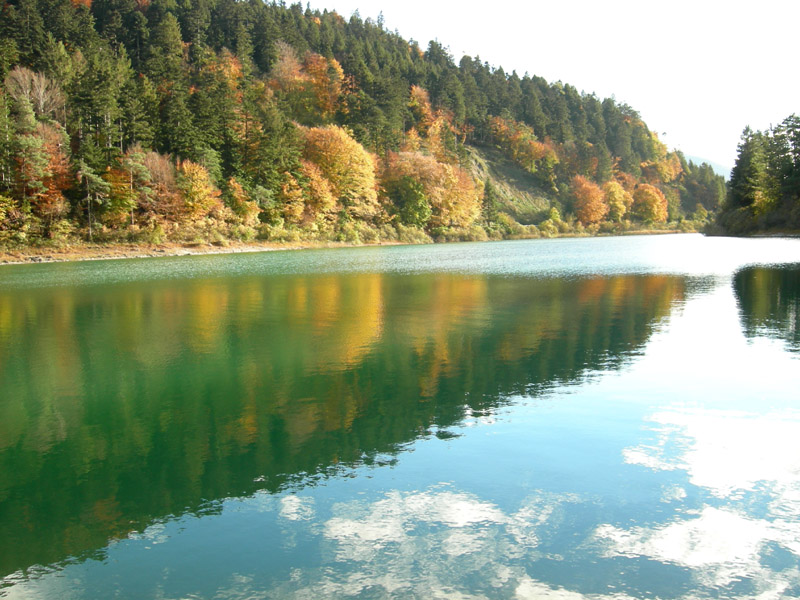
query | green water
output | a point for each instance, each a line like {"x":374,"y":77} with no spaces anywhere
{"x":602,"y":418}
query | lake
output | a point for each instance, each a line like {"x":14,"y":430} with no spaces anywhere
{"x":591,"y":418}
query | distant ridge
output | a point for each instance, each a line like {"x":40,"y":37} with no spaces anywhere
{"x":718,"y":168}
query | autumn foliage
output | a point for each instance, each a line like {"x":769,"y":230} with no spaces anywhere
{"x":312,"y":88}
{"x":590,"y":204}
{"x":618,"y":199}
{"x":452,"y":195}
{"x":200,"y":195}
{"x":649,"y":204}
{"x":346,"y":166}
{"x":520,"y":142}
{"x":243,"y":120}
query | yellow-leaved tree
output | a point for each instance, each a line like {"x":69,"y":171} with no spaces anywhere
{"x":348,"y":168}
{"x":618,"y":199}
{"x":200,"y":195}
{"x":242,"y":206}
{"x":321,"y":207}
{"x":649,"y":204}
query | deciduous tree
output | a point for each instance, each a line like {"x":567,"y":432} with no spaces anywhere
{"x":649,"y":204}
{"x":590,"y":205}
{"x":200,"y":195}
{"x":348,"y":167}
{"x":619,"y":201}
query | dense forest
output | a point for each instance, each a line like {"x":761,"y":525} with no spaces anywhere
{"x":156,"y":120}
{"x":764,"y":193}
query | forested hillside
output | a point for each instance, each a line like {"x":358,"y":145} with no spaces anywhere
{"x":764,"y":193}
{"x":154,"y":120}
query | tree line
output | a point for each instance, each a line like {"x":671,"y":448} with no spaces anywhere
{"x":764,"y":190}
{"x":148,"y":120}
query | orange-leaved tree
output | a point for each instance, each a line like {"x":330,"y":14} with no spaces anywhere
{"x":327,"y":80}
{"x":518,"y":141}
{"x":590,"y":204}
{"x":52,"y":205}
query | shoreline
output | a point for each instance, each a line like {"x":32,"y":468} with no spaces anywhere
{"x":33,"y":255}
{"x":79,"y":253}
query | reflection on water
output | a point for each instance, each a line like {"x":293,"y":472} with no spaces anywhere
{"x":137,"y":402}
{"x":381,"y":431}
{"x":769,"y":298}
{"x":746,"y":464}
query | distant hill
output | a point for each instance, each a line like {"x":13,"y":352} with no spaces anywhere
{"x":718,"y":168}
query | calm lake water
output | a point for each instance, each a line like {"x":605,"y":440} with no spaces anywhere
{"x":597,"y":418}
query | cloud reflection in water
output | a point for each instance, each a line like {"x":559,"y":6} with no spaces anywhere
{"x":748,"y":466}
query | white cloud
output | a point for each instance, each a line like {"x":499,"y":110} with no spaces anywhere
{"x":429,"y":544}
{"x":734,"y":456}
{"x":720,"y":546}
{"x":294,"y":508}
{"x":530,"y":589}
{"x":729,"y":452}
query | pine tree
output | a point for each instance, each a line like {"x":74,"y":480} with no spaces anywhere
{"x":165,"y":61}
{"x":6,"y":141}
{"x":96,"y":192}
{"x":748,"y":176}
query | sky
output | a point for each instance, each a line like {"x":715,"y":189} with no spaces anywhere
{"x":698,"y":71}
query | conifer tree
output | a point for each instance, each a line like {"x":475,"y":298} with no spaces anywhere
{"x":748,"y":176}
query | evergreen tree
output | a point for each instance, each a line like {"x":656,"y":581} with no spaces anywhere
{"x":6,"y":141}
{"x":749,"y":173}
{"x":96,"y":192}
{"x":28,"y":156}
{"x":165,"y":61}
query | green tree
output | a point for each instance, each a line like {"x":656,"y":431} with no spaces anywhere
{"x":96,"y":191}
{"x":6,"y":141}
{"x":138,"y":111}
{"x":491,"y":201}
{"x":408,"y":196}
{"x":748,"y":177}
{"x":165,"y":60}
{"x":30,"y":168}
{"x":29,"y":30}
{"x":9,"y":55}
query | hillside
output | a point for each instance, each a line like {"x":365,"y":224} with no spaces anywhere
{"x":519,"y":193}
{"x":147,"y":121}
